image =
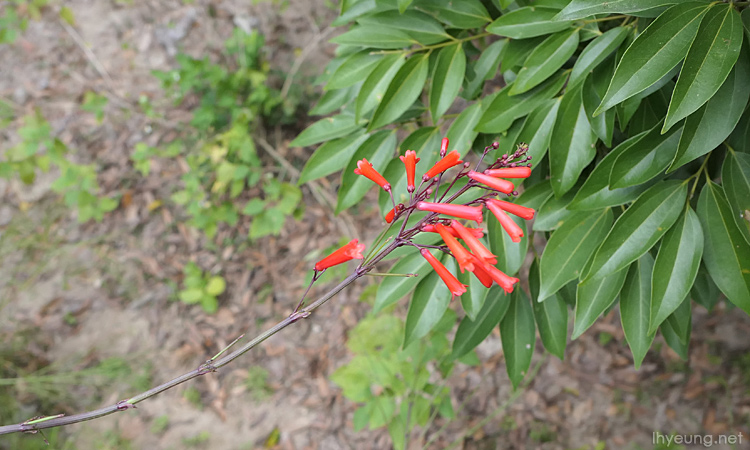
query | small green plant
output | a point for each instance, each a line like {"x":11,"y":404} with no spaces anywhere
{"x":14,"y":17}
{"x":160,"y":424}
{"x":201,"y":288}
{"x":193,"y":396}
{"x":95,"y":104}
{"x":39,"y":150}
{"x":257,"y":383}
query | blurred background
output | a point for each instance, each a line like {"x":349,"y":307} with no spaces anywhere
{"x":165,"y":218}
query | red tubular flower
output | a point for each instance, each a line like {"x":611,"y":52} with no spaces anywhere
{"x":451,"y":159}
{"x":463,"y":212}
{"x":509,"y":172}
{"x":481,"y":272}
{"x":518,"y":210}
{"x":455,"y":286}
{"x":352,"y":250}
{"x":463,"y":257}
{"x":514,"y":231}
{"x":444,"y":146}
{"x":410,"y":160}
{"x":364,"y":168}
{"x":473,"y":243}
{"x":502,"y":279}
{"x":476,"y":232}
{"x":503,"y":186}
{"x":389,"y":217}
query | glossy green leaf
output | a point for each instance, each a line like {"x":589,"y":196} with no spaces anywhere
{"x":535,"y":196}
{"x":572,"y":146}
{"x":708,"y":62}
{"x":569,"y":247}
{"x":596,"y":52}
{"x":527,"y":22}
{"x":746,"y":22}
{"x":653,"y":54}
{"x":464,"y":14}
{"x":551,"y":316}
{"x":375,"y":36}
{"x":735,"y":176}
{"x":537,"y":129}
{"x":554,"y":212}
{"x":461,"y":132}
{"x":402,"y":92}
{"x":708,"y":127}
{"x":449,"y":72}
{"x":639,"y":227}
{"x":375,"y":85}
{"x":378,"y":150}
{"x":740,"y":137}
{"x":635,"y":301}
{"x":704,"y":290}
{"x":510,"y":255}
{"x":393,"y":289}
{"x":419,"y":26}
{"x":508,"y":141}
{"x":545,"y":60}
{"x":355,"y":69}
{"x":402,"y":5}
{"x":334,"y":99}
{"x":474,"y":298}
{"x":579,"y":9}
{"x":645,"y":160}
{"x":484,"y":69}
{"x":331,"y":157}
{"x":726,"y":253}
{"x":593,"y":297}
{"x":426,"y":144}
{"x":651,"y":111}
{"x":471,"y":332}
{"x":326,"y":129}
{"x":517,"y":51}
{"x":676,"y":267}
{"x":518,"y":334}
{"x":428,"y":304}
{"x":594,"y":87}
{"x":503,"y":110}
{"x":680,"y":320}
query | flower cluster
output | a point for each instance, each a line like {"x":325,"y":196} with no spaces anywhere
{"x":460,"y":241}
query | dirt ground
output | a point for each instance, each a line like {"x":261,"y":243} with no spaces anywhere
{"x":113,"y":278}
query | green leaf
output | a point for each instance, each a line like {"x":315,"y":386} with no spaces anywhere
{"x":461,"y":132}
{"x":216,"y":286}
{"x":634,"y":307}
{"x":471,"y":332}
{"x":375,"y":85}
{"x":474,"y":298}
{"x":545,"y":60}
{"x":676,"y":267}
{"x":596,"y":52}
{"x":551,"y":316}
{"x":402,"y":5}
{"x":377,"y":149}
{"x":572,"y":146}
{"x":594,"y":297}
{"x":424,"y":142}
{"x":740,"y":137}
{"x":464,"y":14}
{"x":645,"y":160}
{"x":527,"y":22}
{"x":537,"y":129}
{"x":353,"y":70}
{"x":579,"y":9}
{"x":535,"y":196}
{"x":418,"y":25}
{"x":375,"y":36}
{"x":569,"y":247}
{"x":707,"y":64}
{"x":680,"y":321}
{"x":393,"y":289}
{"x":735,"y":176}
{"x":510,"y":255}
{"x":518,"y":335}
{"x":704,"y":290}
{"x":429,"y":302}
{"x":331,"y":156}
{"x":594,"y":87}
{"x":553,"y":213}
{"x":639,"y":227}
{"x":503,"y":110}
{"x":726,"y":253}
{"x":484,"y":69}
{"x":325,"y":129}
{"x":447,"y":76}
{"x":654,"y":53}
{"x":402,"y":92}
{"x":332,"y":100}
{"x":191,"y":296}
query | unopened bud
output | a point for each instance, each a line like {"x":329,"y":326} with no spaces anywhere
{"x":495,"y":145}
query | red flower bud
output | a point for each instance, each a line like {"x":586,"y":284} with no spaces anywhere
{"x":509,"y":172}
{"x":503,"y":186}
{"x":455,"y":286}
{"x":464,"y":212}
{"x":514,"y":231}
{"x":476,"y":232}
{"x":410,"y":160}
{"x":444,"y":146}
{"x":518,"y":210}
{"x":463,"y":257}
{"x":364,"y":168}
{"x":473,"y":243}
{"x":451,"y":159}
{"x":350,"y":251}
{"x":480,"y":271}
{"x":502,"y":279}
